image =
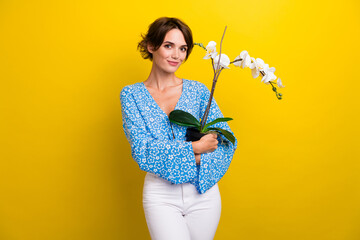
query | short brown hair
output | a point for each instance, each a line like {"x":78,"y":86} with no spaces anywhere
{"x":156,"y":34}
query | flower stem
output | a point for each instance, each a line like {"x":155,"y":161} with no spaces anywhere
{"x":218,"y":65}
{"x":237,"y":60}
{"x":216,"y":76}
{"x":212,"y":63}
{"x":200,"y":45}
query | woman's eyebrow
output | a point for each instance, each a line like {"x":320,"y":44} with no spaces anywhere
{"x":174,"y":44}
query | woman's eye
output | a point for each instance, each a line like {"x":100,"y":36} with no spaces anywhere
{"x":183,"y":49}
{"x":167,"y":46}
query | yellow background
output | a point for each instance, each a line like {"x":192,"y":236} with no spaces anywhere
{"x":66,"y":171}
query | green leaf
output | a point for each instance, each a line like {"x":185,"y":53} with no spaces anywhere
{"x":183,"y":118}
{"x":216,"y":121}
{"x":226,"y":133}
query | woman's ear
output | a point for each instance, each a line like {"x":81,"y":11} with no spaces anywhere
{"x":150,"y":48}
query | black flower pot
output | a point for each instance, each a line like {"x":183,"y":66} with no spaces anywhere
{"x":193,"y":134}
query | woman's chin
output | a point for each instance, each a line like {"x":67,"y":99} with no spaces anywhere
{"x":171,"y":70}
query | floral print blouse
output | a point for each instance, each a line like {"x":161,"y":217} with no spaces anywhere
{"x":159,"y":147}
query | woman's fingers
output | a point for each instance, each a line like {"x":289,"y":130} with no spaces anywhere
{"x":214,"y":135}
{"x":209,"y":142}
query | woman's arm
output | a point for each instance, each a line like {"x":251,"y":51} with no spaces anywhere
{"x":172,"y":160}
{"x":214,"y":164}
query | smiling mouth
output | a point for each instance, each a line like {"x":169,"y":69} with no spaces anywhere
{"x":173,"y":63}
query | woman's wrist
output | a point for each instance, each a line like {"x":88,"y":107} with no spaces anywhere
{"x":195,"y":146}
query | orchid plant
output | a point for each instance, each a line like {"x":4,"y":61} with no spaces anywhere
{"x":219,"y":62}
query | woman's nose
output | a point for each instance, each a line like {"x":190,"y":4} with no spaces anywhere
{"x":175,"y":54}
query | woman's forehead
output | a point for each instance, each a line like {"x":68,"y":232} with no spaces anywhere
{"x":175,"y":36}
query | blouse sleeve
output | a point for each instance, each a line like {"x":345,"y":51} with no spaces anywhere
{"x":172,"y":160}
{"x":214,"y":164}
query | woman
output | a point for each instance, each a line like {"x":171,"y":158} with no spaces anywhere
{"x":181,"y":198}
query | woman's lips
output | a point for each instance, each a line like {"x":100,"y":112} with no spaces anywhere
{"x":173,"y":63}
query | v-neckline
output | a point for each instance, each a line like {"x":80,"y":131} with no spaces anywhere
{"x":182,"y":93}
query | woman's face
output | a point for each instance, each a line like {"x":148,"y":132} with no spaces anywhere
{"x":172,"y":52}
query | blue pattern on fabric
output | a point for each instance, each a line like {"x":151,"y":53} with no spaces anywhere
{"x":153,"y":146}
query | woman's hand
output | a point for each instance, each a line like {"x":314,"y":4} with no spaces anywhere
{"x":207,"y":143}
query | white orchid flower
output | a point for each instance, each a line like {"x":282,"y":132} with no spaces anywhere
{"x":269,"y":74}
{"x":252,"y":63}
{"x":279,"y":83}
{"x":256,"y":66}
{"x":224,"y":61}
{"x":246,"y":60}
{"x":210,"y":50}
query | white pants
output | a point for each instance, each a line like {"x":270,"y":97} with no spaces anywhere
{"x":178,"y":211}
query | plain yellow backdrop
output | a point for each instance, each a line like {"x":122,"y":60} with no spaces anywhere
{"x":66,"y":171}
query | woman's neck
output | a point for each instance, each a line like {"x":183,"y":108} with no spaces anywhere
{"x":160,"y":80}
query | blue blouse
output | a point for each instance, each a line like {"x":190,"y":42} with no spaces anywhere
{"x":159,"y":146}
